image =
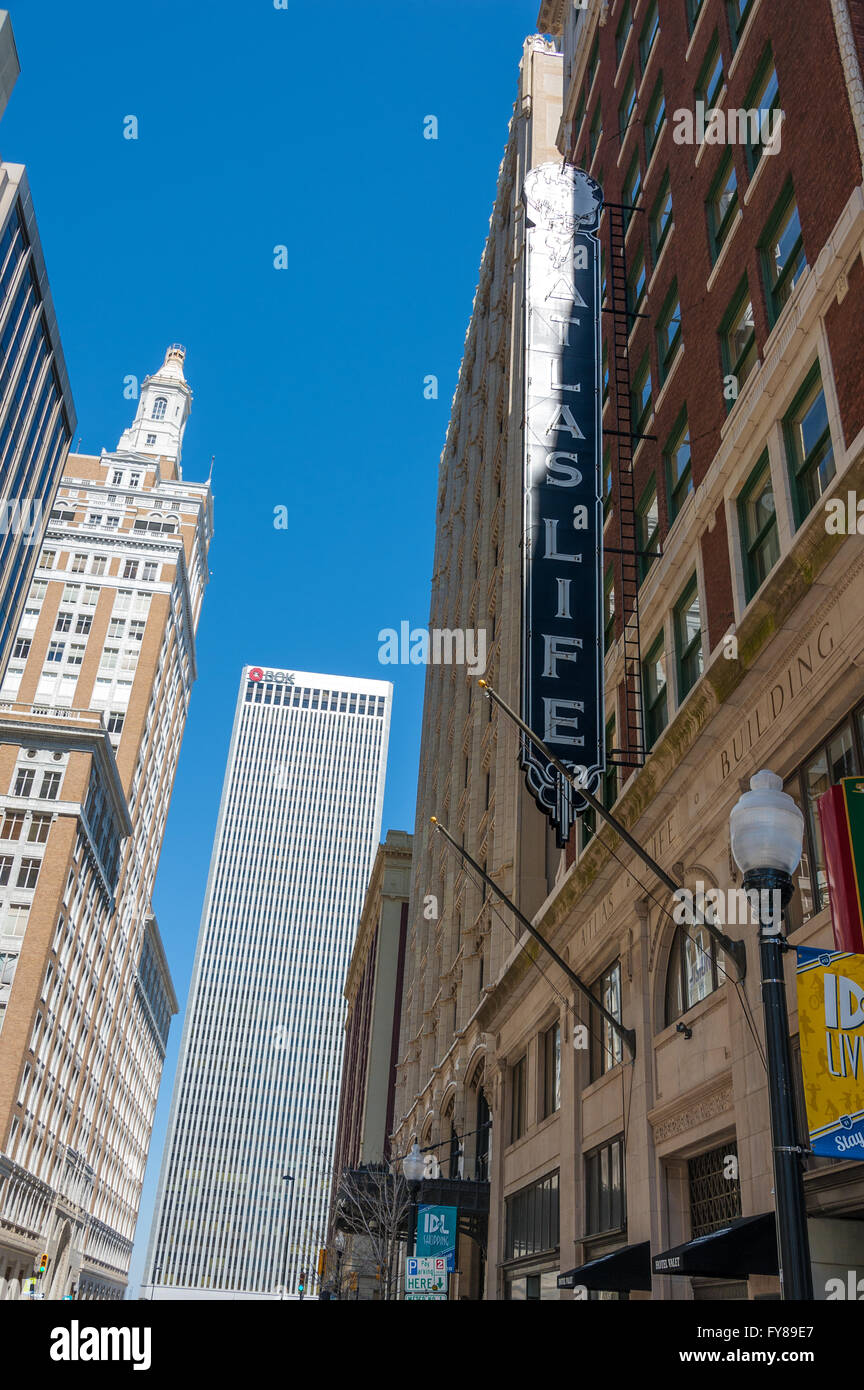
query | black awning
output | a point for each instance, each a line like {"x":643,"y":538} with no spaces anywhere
{"x":623,"y":1270}
{"x":744,"y":1247}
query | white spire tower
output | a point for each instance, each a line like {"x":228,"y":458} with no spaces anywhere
{"x":163,"y":409}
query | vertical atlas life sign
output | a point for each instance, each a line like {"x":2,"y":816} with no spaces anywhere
{"x":562,"y":595}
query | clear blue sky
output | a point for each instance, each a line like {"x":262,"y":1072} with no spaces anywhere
{"x":261,"y":127}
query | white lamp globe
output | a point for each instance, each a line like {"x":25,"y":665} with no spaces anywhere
{"x":767,"y":827}
{"x":413,"y":1164}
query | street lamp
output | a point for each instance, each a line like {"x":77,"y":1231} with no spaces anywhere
{"x":289,"y":1178}
{"x":767,"y":838}
{"x":339,"y":1242}
{"x":413,"y":1168}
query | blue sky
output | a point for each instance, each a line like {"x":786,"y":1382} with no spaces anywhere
{"x":258,"y":128}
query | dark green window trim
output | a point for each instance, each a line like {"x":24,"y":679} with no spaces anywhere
{"x":755,"y":149}
{"x":608,"y":608}
{"x":747,"y":357}
{"x":637,"y":283}
{"x":719,"y":226}
{"x":647,"y":38}
{"x":668,"y":332}
{"x":678,"y":486}
{"x":659,"y":234}
{"x":595,"y":131}
{"x":738,"y":12}
{"x":707,"y":90}
{"x":694,"y":9}
{"x":607,"y":480}
{"x":654,"y":119}
{"x":778,"y":288}
{"x":647,"y":528}
{"x":632,"y":188}
{"x":688,"y":645}
{"x":806,"y":473}
{"x":654,"y":692}
{"x":627,"y":106}
{"x":622,"y":33}
{"x":760,"y":543}
{"x":642,"y":404}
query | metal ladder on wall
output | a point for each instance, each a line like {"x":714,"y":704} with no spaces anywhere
{"x":632,"y":753}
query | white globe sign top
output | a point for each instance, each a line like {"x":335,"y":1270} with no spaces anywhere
{"x":562,"y":199}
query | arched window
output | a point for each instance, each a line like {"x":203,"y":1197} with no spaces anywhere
{"x":695,"y":969}
{"x":160,"y":405}
{"x":484,"y":1137}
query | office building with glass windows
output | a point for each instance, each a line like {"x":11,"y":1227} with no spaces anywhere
{"x":241,"y":1209}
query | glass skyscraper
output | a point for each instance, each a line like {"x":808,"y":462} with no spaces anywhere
{"x":257,"y":1087}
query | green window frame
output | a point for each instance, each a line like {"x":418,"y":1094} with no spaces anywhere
{"x":668,"y":332}
{"x":654,"y":119}
{"x":679,"y":466}
{"x":608,"y":607}
{"x":661,"y":221}
{"x":605,"y":372}
{"x":738,"y":12}
{"x":757,"y":526}
{"x":722,"y":205}
{"x":627,"y":106}
{"x":606,"y":1047}
{"x":632,"y":187}
{"x":608,"y":788}
{"x":647,"y":37}
{"x":518,"y":1098}
{"x":607,"y":480}
{"x":709,"y":83}
{"x":637,"y":282}
{"x":764,"y":96}
{"x":781,"y":249}
{"x":738,"y":351}
{"x":622,"y":33}
{"x":654,"y":690}
{"x":593,"y":61}
{"x":809,"y":449}
{"x":647,"y":528}
{"x":595,"y":131}
{"x":642,"y":399}
{"x":687,"y":624}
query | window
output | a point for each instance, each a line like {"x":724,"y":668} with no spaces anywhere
{"x":715,"y":1198}
{"x":649,"y":33}
{"x":130,"y":569}
{"x":5,"y":868}
{"x":90,"y":596}
{"x":16,"y":919}
{"x":839,"y":756}
{"x":76,"y":653}
{"x":79,"y":564}
{"x":808,"y":445}
{"x":39,"y":828}
{"x":593,"y":62}
{"x":484,"y":1137}
{"x":115,"y":721}
{"x":632,"y":189}
{"x":660,"y":222}
{"x":24,"y":779}
{"x":99,"y":565}
{"x":782,"y":254}
{"x":116,"y":477}
{"x":8,"y":962}
{"x":722,"y":205}
{"x":518,"y":1098}
{"x":83,"y":623}
{"x":150,"y":571}
{"x":695,"y":967}
{"x":607,"y":480}
{"x":622,"y":33}
{"x":21,"y":650}
{"x":28,"y":873}
{"x":654,"y":119}
{"x":605,"y":1208}
{"x":627,"y":107}
{"x":641,"y":405}
{"x":150,"y":440}
{"x":709,"y":83}
{"x":606,"y":1047}
{"x":763,"y":97}
{"x":55,"y":651}
{"x":636,"y":282}
{"x":668,"y":331}
{"x":694,"y":9}
{"x":50,"y":786}
{"x":647,"y":528}
{"x":64,"y":621}
{"x":134,"y":480}
{"x":688,"y":638}
{"x":95,"y":518}
{"x":605,"y":372}
{"x":531,"y":1219}
{"x":739,"y":13}
{"x":608,"y":608}
{"x":757,"y":518}
{"x":679,"y":474}
{"x":654,"y":691}
{"x":595,"y":131}
{"x":116,"y":629}
{"x":552,"y":1069}
{"x":11,"y":825}
{"x":160,"y":405}
{"x":738,"y":341}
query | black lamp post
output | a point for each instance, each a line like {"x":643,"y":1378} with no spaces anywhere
{"x":767,"y":838}
{"x":413,"y":1168}
{"x":339,"y":1242}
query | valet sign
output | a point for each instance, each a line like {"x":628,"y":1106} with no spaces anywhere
{"x":562,"y":647}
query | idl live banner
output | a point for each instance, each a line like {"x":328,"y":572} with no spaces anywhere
{"x":831,"y":1029}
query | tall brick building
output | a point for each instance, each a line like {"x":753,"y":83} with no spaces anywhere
{"x":92,"y":711}
{"x":732,"y":412}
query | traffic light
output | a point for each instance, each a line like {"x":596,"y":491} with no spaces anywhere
{"x":301,"y":1286}
{"x":42,"y":1264}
